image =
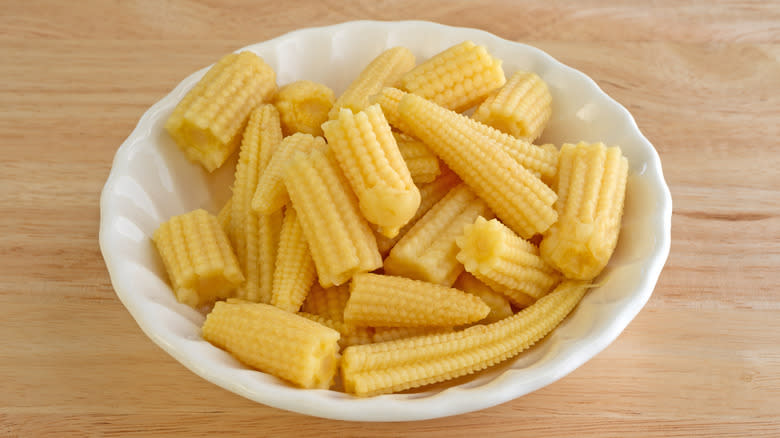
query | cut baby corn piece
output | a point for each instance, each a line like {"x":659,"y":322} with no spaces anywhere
{"x":271,"y":340}
{"x":340,"y":240}
{"x":423,"y":164}
{"x":386,"y":367}
{"x":385,"y":334}
{"x":457,"y":78}
{"x":428,"y":251}
{"x":388,"y":98}
{"x":591,"y":186}
{"x":271,"y":194}
{"x":303,"y":106}
{"x":517,"y":197}
{"x":499,"y":304}
{"x":262,"y":244}
{"x":350,"y":334}
{"x":223,"y":217}
{"x":198,"y":258}
{"x":388,"y":301}
{"x":430,"y":194}
{"x":294,"y":273}
{"x":385,"y":70}
{"x":208,"y":122}
{"x":505,"y":262}
{"x":520,"y":108}
{"x":368,"y":155}
{"x":327,"y":302}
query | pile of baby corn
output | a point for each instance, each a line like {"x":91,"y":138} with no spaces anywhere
{"x":384,"y":233}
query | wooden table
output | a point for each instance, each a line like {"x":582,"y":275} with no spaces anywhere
{"x":703,"y":81}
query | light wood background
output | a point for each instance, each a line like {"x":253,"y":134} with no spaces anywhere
{"x":702,"y":80}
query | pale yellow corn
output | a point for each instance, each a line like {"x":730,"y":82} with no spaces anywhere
{"x":208,"y":122}
{"x":271,"y":194}
{"x":262,"y":244}
{"x":520,"y":108}
{"x":327,"y":302}
{"x":518,"y":198}
{"x":409,"y":363}
{"x":430,"y":194}
{"x":423,"y":164}
{"x":303,"y":106}
{"x":350,"y":334}
{"x":457,"y":78}
{"x":385,"y":334}
{"x":388,"y":301}
{"x":591,"y":192}
{"x":388,"y":98}
{"x":428,"y":251}
{"x":385,"y":70}
{"x":505,"y":262}
{"x":223,"y":217}
{"x":197,"y":255}
{"x":294,"y":273}
{"x":340,"y":240}
{"x":368,"y":155}
{"x":280,"y":343}
{"x":499,"y":304}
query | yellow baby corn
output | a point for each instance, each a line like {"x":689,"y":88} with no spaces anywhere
{"x":327,"y":302}
{"x":505,"y":262}
{"x":520,"y":108}
{"x":499,"y":305}
{"x":591,"y":186}
{"x":271,"y":194}
{"x":368,"y":155}
{"x":208,"y":122}
{"x":350,"y":334}
{"x":423,"y":164}
{"x":385,"y":334}
{"x":303,"y":106}
{"x":274,"y":341}
{"x":384,"y":70}
{"x":516,"y":196}
{"x":388,"y":98}
{"x":428,"y":251}
{"x":262,"y":244}
{"x":409,"y":363}
{"x":223,"y":217}
{"x":388,"y":301}
{"x":198,"y":258}
{"x":457,"y":78}
{"x":340,"y":240}
{"x":294,"y":273}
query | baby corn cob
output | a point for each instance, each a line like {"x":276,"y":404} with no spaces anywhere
{"x":457,"y":78}
{"x":271,"y":194}
{"x":262,"y":244}
{"x":303,"y":106}
{"x":341,"y":242}
{"x":197,"y":256}
{"x":274,"y":341}
{"x":294,"y":273}
{"x":223,"y":217}
{"x":208,"y":122}
{"x":367,"y":152}
{"x":520,"y":108}
{"x":388,"y":99}
{"x":327,"y":302}
{"x":387,"y":301}
{"x":430,"y":194}
{"x":591,"y":186}
{"x":516,"y":196}
{"x":384,"y":70}
{"x":505,"y":262}
{"x":408,"y":363}
{"x":350,"y":334}
{"x":423,"y":164}
{"x":499,"y":305}
{"x":428,"y":251}
{"x":385,"y":334}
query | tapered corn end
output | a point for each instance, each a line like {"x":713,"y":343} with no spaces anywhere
{"x":591,"y":186}
{"x":197,"y":255}
{"x":327,"y":302}
{"x":271,"y":340}
{"x":294,"y":273}
{"x":304,"y":106}
{"x":500,"y":307}
{"x":388,"y":98}
{"x":457,"y":78}
{"x":369,"y":156}
{"x":423,"y":164}
{"x":208,"y":122}
{"x":387,"y":301}
{"x":520,"y":108}
{"x":385,"y":70}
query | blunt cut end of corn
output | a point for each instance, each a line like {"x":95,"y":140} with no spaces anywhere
{"x":280,"y":343}
{"x":303,"y":106}
{"x":197,"y":255}
{"x":591,"y":186}
{"x":208,"y":122}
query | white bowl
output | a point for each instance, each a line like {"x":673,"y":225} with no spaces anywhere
{"x":151,"y":181}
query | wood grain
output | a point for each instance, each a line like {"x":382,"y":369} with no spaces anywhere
{"x":701,"y":78}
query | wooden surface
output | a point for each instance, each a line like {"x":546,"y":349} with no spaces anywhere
{"x":702,"y":80}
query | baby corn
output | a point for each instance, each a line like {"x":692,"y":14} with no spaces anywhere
{"x":327,"y":302}
{"x":423,"y":164}
{"x":499,"y":305}
{"x":303,"y":106}
{"x":294,"y":273}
